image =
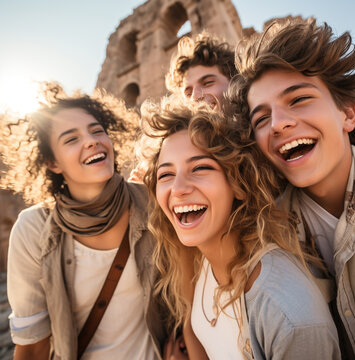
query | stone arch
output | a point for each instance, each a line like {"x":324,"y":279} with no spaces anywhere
{"x":175,"y":18}
{"x":130,"y":94}
{"x":128,"y":47}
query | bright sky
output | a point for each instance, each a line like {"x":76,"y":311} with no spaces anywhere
{"x":66,"y":40}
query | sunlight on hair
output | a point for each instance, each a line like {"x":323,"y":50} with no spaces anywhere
{"x":18,"y":94}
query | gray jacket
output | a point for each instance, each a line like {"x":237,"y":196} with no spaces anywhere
{"x":288,"y":316}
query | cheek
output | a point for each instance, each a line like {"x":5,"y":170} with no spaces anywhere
{"x":261,"y":138}
{"x":162,"y":198}
{"x":108,"y":144}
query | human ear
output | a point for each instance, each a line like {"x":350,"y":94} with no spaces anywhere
{"x":349,"y":123}
{"x":54,"y":167}
{"x":239,"y":194}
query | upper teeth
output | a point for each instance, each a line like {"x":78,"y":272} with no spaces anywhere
{"x":187,"y":208}
{"x":94,"y":157}
{"x":294,"y":144}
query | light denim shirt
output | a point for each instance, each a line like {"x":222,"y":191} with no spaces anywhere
{"x":41,"y":274}
{"x":344,"y":250}
{"x":288,"y":316}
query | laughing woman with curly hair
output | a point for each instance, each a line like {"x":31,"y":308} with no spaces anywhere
{"x":232,"y":270}
{"x":67,"y":155}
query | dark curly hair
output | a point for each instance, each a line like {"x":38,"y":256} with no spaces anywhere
{"x":297,"y":45}
{"x":206,"y":50}
{"x":26,"y":142}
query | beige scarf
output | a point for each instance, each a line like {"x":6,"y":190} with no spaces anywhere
{"x":96,"y":216}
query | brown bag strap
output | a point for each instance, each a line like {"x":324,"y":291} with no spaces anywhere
{"x":102,"y":301}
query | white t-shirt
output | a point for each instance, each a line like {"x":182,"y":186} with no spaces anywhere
{"x":322,"y":225}
{"x":122,"y":332}
{"x":220,"y":341}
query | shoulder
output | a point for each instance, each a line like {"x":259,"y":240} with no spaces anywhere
{"x":26,"y":234}
{"x":287,"y":199}
{"x":138,"y":193}
{"x":284,"y":289}
{"x":31,"y":220}
{"x":287,"y":313}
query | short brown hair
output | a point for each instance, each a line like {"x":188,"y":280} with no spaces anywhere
{"x":297,"y":45}
{"x":206,"y":50}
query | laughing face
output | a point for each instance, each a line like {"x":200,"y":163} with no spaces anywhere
{"x":82,"y":151}
{"x":205,"y":83}
{"x":193,"y":192}
{"x":300,"y":129}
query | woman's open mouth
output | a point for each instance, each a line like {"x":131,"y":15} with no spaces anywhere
{"x":188,"y":214}
{"x":95,"y":158}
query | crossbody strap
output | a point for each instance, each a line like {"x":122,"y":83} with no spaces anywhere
{"x":102,"y":301}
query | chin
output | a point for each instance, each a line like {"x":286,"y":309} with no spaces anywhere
{"x":189,"y":243}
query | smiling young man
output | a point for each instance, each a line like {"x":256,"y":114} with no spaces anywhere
{"x":201,"y":69}
{"x":296,"y":96}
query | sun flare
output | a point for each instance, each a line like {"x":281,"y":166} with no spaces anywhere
{"x":18,"y":94}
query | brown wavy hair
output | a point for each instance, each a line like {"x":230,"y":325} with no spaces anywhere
{"x":298,"y":45}
{"x":257,"y":218}
{"x":206,"y":50}
{"x":26,"y":147}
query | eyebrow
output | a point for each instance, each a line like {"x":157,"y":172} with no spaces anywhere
{"x":285,"y":92}
{"x":70,"y":131}
{"x":190,"y":160}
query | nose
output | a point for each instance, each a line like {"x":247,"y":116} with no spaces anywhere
{"x":281,"y":120}
{"x":91,"y":141}
{"x":181,"y":186}
{"x":197,"y":93}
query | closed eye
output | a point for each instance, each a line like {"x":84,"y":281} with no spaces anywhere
{"x":98,"y":131}
{"x":259,"y":121}
{"x":300,"y":99}
{"x":164,"y":175}
{"x":70,"y":140}
{"x":208,"y":83}
{"x":202,"y":167}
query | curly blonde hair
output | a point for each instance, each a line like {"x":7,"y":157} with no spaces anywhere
{"x":257,"y":218}
{"x":26,"y":149}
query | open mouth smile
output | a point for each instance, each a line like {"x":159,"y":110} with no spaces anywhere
{"x":296,"y":149}
{"x":188,"y":214}
{"x":95,"y":158}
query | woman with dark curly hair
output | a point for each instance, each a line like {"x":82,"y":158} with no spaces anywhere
{"x":60,"y":251}
{"x":232,"y":270}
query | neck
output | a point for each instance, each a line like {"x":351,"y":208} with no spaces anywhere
{"x":330,"y":193}
{"x":85,"y":193}
{"x":332,"y":202}
{"x":110,"y":239}
{"x":220,"y":254}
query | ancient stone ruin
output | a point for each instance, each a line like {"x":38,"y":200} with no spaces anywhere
{"x":139,"y":51}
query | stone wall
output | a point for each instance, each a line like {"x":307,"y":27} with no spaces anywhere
{"x":139,"y":51}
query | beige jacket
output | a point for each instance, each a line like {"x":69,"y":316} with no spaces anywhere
{"x":41,"y":260}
